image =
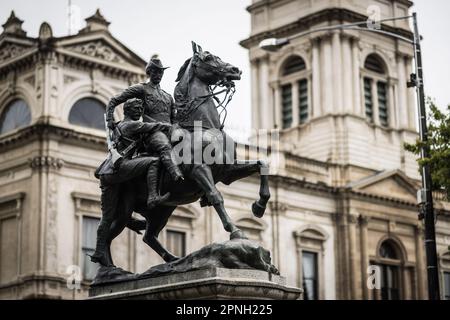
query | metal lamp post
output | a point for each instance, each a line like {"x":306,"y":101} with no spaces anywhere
{"x":425,"y":198}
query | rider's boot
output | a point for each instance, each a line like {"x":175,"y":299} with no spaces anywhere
{"x":171,"y":166}
{"x":154,"y":198}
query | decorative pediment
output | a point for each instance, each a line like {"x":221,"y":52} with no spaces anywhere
{"x":101,"y":47}
{"x":11,"y":50}
{"x":391,"y":184}
{"x":97,"y":49}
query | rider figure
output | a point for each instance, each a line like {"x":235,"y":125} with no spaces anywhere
{"x":158,"y":107}
{"x":132,"y":130}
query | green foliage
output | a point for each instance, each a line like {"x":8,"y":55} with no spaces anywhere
{"x":439,"y":146}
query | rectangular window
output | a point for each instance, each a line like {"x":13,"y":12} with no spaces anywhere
{"x":389,"y":283}
{"x":89,"y":238}
{"x":8,"y":249}
{"x":310,"y":275}
{"x":176,"y":242}
{"x":303,"y":101}
{"x":286,"y":104}
{"x":383,"y":103}
{"x":447,"y":285}
{"x":368,"y":98}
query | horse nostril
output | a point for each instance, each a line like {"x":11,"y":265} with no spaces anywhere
{"x":235,"y":70}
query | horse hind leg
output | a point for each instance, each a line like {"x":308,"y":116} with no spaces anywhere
{"x":202,"y":175}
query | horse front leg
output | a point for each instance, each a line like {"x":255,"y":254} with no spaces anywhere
{"x":156,"y":220}
{"x":202,"y":175}
{"x":244,"y":168}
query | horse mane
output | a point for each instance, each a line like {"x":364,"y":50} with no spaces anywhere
{"x":183,"y":69}
{"x":181,"y":89}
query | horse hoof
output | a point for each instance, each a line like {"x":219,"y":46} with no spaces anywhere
{"x":258,"y":210}
{"x":238,"y":234}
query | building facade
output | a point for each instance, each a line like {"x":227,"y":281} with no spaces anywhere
{"x":343,"y":189}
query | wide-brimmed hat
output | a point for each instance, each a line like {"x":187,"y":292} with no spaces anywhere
{"x":155,"y":62}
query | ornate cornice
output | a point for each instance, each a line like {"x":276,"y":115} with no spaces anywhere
{"x":41,"y":131}
{"x":305,"y":23}
{"x":46,"y":162}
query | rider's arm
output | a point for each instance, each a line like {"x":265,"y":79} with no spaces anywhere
{"x":173,"y":111}
{"x":135,"y":91}
{"x":138,"y":127}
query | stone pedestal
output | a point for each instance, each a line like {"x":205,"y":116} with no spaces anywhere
{"x":211,"y":283}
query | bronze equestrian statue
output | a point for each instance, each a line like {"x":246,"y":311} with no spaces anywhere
{"x":197,"y":122}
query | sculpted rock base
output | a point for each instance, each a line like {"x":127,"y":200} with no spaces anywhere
{"x":232,"y":254}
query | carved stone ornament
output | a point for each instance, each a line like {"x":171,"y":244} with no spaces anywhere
{"x":97,"y":49}
{"x":10,"y":50}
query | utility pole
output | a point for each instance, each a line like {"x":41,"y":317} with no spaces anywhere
{"x":425,"y":195}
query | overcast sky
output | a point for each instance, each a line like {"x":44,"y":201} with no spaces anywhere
{"x":167,"y":27}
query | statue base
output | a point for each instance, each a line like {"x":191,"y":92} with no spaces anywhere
{"x":211,"y":283}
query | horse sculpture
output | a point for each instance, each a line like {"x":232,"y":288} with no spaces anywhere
{"x":196,"y":110}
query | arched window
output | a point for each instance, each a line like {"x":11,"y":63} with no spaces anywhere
{"x":376,"y":90}
{"x":16,"y":115}
{"x":88,"y":112}
{"x":294,"y":92}
{"x":390,"y":265}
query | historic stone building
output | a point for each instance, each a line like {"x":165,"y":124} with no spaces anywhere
{"x":343,"y":189}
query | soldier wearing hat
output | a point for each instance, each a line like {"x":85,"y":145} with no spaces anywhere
{"x":158,"y":107}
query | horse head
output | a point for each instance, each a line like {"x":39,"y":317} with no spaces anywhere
{"x":196,"y":76}
{"x":209,"y":68}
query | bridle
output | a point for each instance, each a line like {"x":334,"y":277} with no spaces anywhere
{"x":228,"y":88}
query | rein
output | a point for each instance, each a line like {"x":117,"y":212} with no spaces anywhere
{"x":229,"y":92}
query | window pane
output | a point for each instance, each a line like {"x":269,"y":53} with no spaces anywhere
{"x":310,"y":276}
{"x":375,"y":64}
{"x":176,"y":242}
{"x":293,"y":64}
{"x":382,"y":103}
{"x":368,"y":98}
{"x":388,"y":251}
{"x":303,"y":100}
{"x":15,"y":116}
{"x":389,"y":283}
{"x":88,"y":247}
{"x":447,"y":285}
{"x":286,"y":102}
{"x":89,"y":113}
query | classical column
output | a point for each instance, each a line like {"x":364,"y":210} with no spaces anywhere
{"x":356,"y":78}
{"x":420,"y":257}
{"x":277,"y":103}
{"x":337,"y":72}
{"x":316,"y":84}
{"x":295,"y":104}
{"x":402,"y":94}
{"x":352,"y":254}
{"x":391,"y":104}
{"x":347,"y":75}
{"x":363,"y":222}
{"x":256,"y":108}
{"x":264,"y":94}
{"x":327,"y":76}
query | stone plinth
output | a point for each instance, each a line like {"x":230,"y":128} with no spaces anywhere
{"x":211,"y":283}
